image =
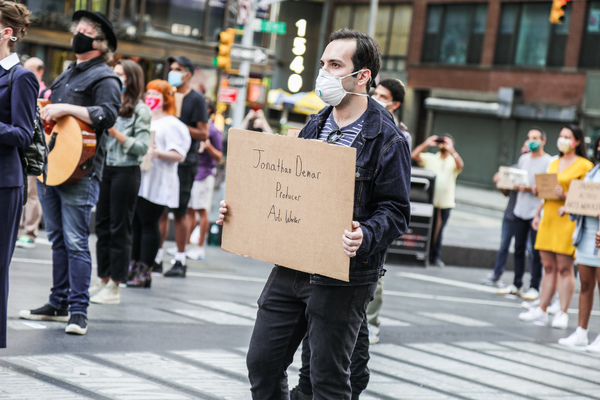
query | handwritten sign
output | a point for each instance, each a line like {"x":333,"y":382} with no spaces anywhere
{"x":511,"y":177}
{"x":546,"y":183}
{"x":583,"y":198}
{"x":289,"y":201}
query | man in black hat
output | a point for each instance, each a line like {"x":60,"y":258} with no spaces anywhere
{"x":90,"y":91}
{"x":193,"y":112}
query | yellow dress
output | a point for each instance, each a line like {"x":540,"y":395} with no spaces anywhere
{"x":555,"y":233}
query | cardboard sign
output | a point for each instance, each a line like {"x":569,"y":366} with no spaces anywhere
{"x":546,"y":183}
{"x":289,"y":201}
{"x":583,"y":198}
{"x":511,"y":177}
{"x":146,"y":161}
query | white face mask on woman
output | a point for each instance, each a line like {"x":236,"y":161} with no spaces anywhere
{"x":13,"y":38}
{"x":330,"y":89}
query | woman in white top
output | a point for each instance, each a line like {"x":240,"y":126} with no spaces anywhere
{"x":159,"y":186}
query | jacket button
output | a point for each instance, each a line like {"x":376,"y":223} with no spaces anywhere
{"x":358,"y":174}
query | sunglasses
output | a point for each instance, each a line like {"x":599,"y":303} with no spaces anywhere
{"x":334,"y":136}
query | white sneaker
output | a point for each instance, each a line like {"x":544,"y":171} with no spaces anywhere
{"x":528,"y":304}
{"x":373,"y":334}
{"x":594,"y":347}
{"x":531,"y":294}
{"x":197,"y":253}
{"x":535,"y":315}
{"x":560,"y":320}
{"x":96,"y":287}
{"x":510,"y":289}
{"x":554,"y":307}
{"x":576,"y":340}
{"x":109,"y":295}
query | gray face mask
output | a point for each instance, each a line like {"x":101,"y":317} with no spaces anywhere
{"x":330,"y":89}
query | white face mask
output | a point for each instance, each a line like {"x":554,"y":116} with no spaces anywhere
{"x":330,"y":89}
{"x":14,"y":39}
{"x":381,"y":103}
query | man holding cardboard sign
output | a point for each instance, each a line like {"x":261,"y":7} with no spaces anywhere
{"x":331,"y":311}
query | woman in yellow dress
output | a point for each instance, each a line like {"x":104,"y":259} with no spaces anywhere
{"x":554,"y":238}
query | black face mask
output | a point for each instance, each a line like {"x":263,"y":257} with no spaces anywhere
{"x":82,"y":43}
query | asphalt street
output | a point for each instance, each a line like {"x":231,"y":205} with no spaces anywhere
{"x":444,"y":336}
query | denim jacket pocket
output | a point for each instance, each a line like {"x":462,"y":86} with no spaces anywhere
{"x":362,"y":186}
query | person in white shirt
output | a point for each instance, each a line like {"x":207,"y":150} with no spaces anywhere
{"x":159,"y":187}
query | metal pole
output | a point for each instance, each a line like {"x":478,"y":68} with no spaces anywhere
{"x":372,"y":17}
{"x":247,"y":40}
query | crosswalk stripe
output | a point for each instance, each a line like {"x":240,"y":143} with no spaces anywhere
{"x":550,"y":382}
{"x":392,"y":321}
{"x":448,"y":282}
{"x":229,"y":307}
{"x":504,"y":383}
{"x":16,"y":386}
{"x":183,"y":374}
{"x":96,"y":378}
{"x":215,"y":317}
{"x":415,"y":372}
{"x":556,"y":352}
{"x":545,"y":363}
{"x":456,"y":319}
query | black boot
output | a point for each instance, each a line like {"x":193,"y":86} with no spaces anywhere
{"x":142,"y":276}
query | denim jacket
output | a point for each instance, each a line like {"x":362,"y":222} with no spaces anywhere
{"x":381,"y":191}
{"x":137,"y":130}
{"x":578,"y":232}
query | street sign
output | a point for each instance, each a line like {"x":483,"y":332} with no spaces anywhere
{"x":227,"y":95}
{"x":236,"y":81}
{"x":245,"y":10}
{"x":255,"y":55}
{"x":270,"y":26}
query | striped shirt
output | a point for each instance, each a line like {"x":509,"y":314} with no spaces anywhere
{"x":349,"y":132}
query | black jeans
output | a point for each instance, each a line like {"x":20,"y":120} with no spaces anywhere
{"x":523,"y":232}
{"x":359,"y":371}
{"x":146,"y":235}
{"x":440,"y":216}
{"x":114,"y":216}
{"x":290,"y":307}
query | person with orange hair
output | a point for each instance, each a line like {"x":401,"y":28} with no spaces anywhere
{"x":159,"y":187}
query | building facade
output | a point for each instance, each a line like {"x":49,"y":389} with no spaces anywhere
{"x":486,"y":71}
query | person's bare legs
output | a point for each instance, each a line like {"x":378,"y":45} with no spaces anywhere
{"x":589,"y":276}
{"x":548,"y":286}
{"x":191,"y":216}
{"x":181,"y":232}
{"x":203,"y":226}
{"x":163,"y":226}
{"x":566,"y":280}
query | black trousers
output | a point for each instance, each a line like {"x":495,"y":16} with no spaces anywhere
{"x":146,"y":234}
{"x":11,"y":199}
{"x":114,"y":218}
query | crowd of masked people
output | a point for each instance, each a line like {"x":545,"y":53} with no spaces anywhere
{"x":554,"y":240}
{"x":156,"y":152}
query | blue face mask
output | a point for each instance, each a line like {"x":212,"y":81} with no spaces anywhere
{"x":123,"y":86}
{"x":534,"y":145}
{"x":175,"y":78}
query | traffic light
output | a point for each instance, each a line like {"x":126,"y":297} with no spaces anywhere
{"x":226,"y":39}
{"x":557,"y":13}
